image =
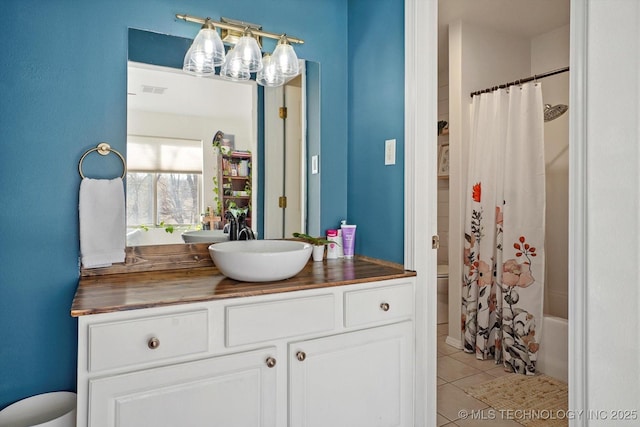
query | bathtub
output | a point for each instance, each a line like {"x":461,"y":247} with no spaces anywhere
{"x":553,"y":358}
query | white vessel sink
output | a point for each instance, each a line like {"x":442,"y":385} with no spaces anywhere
{"x":260,"y":260}
{"x":204,"y":236}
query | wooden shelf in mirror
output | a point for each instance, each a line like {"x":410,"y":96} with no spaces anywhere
{"x":234,"y":175}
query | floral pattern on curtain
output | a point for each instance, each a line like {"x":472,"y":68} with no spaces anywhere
{"x":502,"y":293}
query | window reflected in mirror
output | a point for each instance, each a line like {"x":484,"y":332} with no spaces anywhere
{"x":164,"y":182}
{"x":174,"y":180}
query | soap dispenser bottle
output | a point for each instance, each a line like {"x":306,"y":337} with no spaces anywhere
{"x":332,"y":248}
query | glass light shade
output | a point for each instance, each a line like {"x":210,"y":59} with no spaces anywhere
{"x":249,"y":52}
{"x":193,"y":65}
{"x":285,"y":58}
{"x":233,"y":68}
{"x":206,"y":52}
{"x":269,"y":75}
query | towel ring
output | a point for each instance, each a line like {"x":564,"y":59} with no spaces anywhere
{"x":103,"y":149}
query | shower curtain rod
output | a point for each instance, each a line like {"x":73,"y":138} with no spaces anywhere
{"x":520,"y":81}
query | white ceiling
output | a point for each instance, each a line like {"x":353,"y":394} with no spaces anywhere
{"x":186,"y":94}
{"x":524,"y":18}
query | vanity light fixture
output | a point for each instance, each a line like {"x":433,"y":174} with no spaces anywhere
{"x":248,"y":52}
{"x":233,"y":68}
{"x":268,"y":75}
{"x":206,"y":51}
{"x":285,"y":58}
{"x":231,"y":36}
{"x":245,"y":57}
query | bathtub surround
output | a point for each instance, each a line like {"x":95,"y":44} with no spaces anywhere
{"x":553,"y":357}
{"x":504,"y":234}
{"x":550,"y":51}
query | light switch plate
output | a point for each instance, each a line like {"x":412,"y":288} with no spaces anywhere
{"x":314,"y":164}
{"x":390,"y":152}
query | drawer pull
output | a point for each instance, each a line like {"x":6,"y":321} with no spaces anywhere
{"x":153,"y":343}
{"x":385,"y":306}
{"x":271,"y":362}
{"x":301,"y":355}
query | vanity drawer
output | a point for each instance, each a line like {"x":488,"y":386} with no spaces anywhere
{"x":378,"y":305}
{"x":149,"y":339}
{"x":252,"y":323}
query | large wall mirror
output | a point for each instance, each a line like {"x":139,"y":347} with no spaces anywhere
{"x":176,"y":171}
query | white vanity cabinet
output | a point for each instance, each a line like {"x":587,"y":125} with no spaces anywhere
{"x":356,"y":379}
{"x":234,"y":391}
{"x":331,"y":356}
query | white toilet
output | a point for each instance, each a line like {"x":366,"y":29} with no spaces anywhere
{"x":443,"y":293}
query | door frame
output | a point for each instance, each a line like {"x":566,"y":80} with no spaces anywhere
{"x":421,"y":84}
{"x":275,"y":182}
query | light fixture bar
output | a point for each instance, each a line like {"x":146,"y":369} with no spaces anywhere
{"x":229,"y":26}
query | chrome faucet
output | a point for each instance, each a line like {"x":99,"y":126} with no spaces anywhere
{"x":237,"y":227}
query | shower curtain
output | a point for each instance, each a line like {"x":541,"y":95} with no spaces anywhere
{"x":502,"y":291}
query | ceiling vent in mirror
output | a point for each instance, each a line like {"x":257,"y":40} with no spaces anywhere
{"x":156,"y":90}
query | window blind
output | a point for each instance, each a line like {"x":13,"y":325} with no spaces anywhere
{"x":157,"y":154}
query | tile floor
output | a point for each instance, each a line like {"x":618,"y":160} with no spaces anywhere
{"x":457,"y":370}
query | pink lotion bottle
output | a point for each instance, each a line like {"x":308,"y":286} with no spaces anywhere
{"x":332,"y":248}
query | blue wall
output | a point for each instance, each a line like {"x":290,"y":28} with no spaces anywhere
{"x":376,"y":112}
{"x":63,"y":90}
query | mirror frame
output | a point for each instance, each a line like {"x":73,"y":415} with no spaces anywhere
{"x":150,"y":47}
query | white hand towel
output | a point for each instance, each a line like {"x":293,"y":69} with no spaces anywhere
{"x":102,"y":222}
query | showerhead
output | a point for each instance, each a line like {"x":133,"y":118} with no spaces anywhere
{"x":552,"y":113}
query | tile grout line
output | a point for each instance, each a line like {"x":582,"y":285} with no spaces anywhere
{"x":445,"y":382}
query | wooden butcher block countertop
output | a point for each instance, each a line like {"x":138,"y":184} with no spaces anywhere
{"x":105,"y":293}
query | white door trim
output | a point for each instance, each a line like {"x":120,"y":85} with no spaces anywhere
{"x":421,"y":113}
{"x":421,"y":24}
{"x":578,"y":210}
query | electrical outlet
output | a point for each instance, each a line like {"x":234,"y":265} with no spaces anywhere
{"x":390,"y":152}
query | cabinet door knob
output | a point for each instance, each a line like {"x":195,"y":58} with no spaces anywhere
{"x":153,"y":343}
{"x":301,"y":355}
{"x":271,"y":362}
{"x":385,"y":306}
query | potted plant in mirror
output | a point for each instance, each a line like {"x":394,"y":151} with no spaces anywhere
{"x":216,"y":196}
{"x":317,"y":242}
